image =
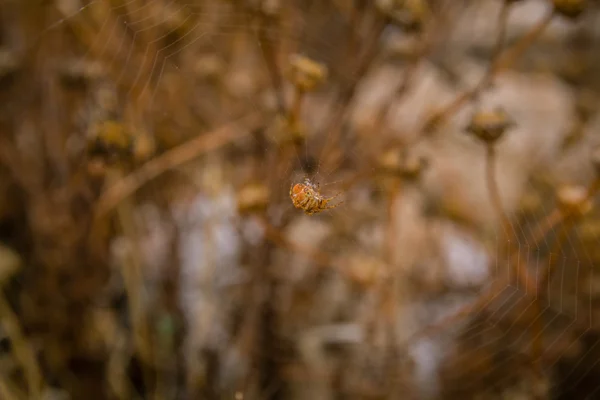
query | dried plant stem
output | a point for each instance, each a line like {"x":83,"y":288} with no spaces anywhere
{"x":402,"y":86}
{"x":116,"y":369}
{"x":544,"y":279}
{"x":389,"y":287}
{"x":499,"y":63}
{"x":470,"y":309}
{"x":296,"y":108}
{"x":354,"y":22}
{"x":333,"y":126}
{"x":394,"y":198}
{"x":134,"y":287}
{"x":269,"y":52}
{"x":499,"y":44}
{"x":493,"y":190}
{"x":492,"y":186}
{"x":511,"y":55}
{"x":427,"y":41}
{"x":555,"y":218}
{"x":545,"y":275}
{"x":174,"y":158}
{"x":23,"y":351}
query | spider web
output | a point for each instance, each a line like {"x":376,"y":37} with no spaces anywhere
{"x":148,"y":45}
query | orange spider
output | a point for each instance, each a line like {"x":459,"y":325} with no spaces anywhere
{"x":307,"y":197}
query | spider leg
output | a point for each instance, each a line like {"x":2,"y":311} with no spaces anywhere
{"x":334,"y":196}
{"x":333,"y":206}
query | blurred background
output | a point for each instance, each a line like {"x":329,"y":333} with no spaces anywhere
{"x":150,"y":249}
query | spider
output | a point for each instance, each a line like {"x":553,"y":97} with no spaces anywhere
{"x":307,"y":197}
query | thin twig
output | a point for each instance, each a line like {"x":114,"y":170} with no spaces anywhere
{"x":499,"y":63}
{"x":486,"y":298}
{"x":511,"y":55}
{"x":492,"y":185}
{"x":269,"y":52}
{"x":174,"y":158}
{"x":134,"y":287}
{"x":544,"y":279}
{"x":493,"y":190}
{"x":333,"y":126}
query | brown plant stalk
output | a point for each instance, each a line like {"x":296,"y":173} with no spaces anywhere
{"x":500,"y":61}
{"x":487,"y":297}
{"x":174,"y":158}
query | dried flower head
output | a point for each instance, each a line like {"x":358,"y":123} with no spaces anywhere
{"x":408,"y":14}
{"x":285,"y":131}
{"x":569,"y":8}
{"x":574,"y":200}
{"x":399,"y":162}
{"x":253,"y":198}
{"x":489,"y":126}
{"x":209,"y":67}
{"x":110,"y":139}
{"x":305,"y":73}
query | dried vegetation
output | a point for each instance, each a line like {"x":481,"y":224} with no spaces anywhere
{"x":149,"y":247}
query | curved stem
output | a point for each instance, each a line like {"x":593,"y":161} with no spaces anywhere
{"x":508,"y":58}
{"x":174,"y":158}
{"x":470,"y":94}
{"x":515,"y":263}
{"x":500,"y":62}
{"x":492,"y":187}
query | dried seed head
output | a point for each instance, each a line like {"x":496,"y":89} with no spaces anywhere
{"x":96,"y":168}
{"x":362,"y":269}
{"x":285,"y":131}
{"x":410,"y":15}
{"x":399,"y":162}
{"x":253,"y":198}
{"x":271,"y":8}
{"x":209,"y":67}
{"x":574,"y":200}
{"x":110,"y":140}
{"x":570,"y":8}
{"x":489,"y":126}
{"x":305,"y":73}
